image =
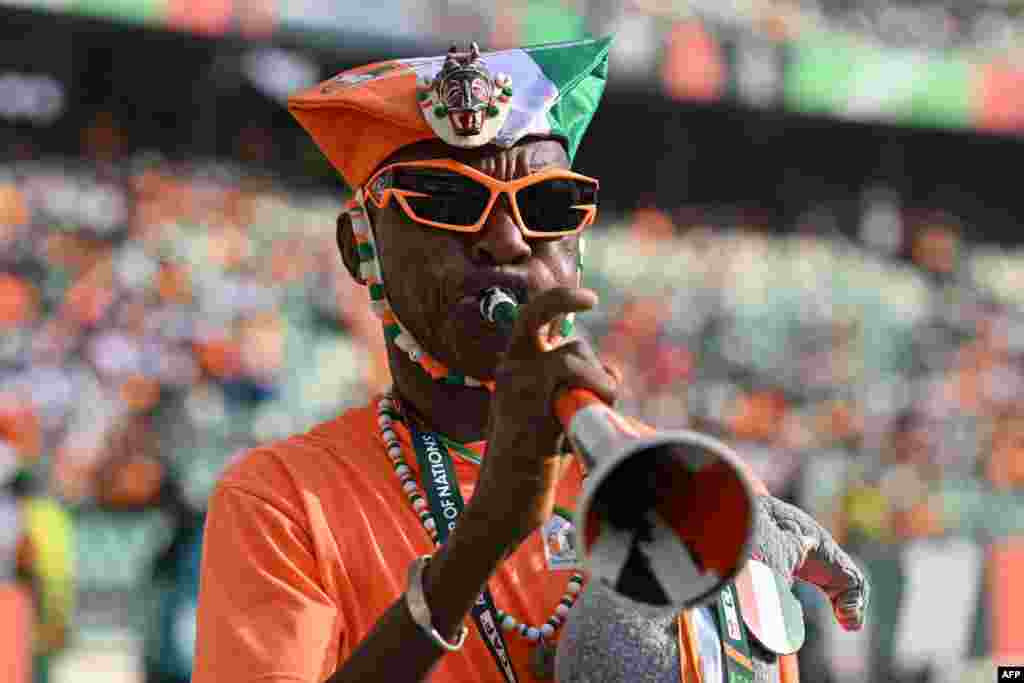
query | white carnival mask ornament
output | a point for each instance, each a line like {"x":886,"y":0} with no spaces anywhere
{"x":464,"y":105}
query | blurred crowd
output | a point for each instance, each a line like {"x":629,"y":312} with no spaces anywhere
{"x":132,"y":291}
{"x":993,"y":28}
{"x":158,"y":318}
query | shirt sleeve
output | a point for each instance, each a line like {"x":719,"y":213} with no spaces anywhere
{"x":263,"y":613}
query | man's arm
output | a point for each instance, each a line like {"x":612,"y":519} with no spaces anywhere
{"x":515,"y":493}
{"x":452,"y":582}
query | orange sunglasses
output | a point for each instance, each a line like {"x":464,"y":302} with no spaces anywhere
{"x":445,"y":194}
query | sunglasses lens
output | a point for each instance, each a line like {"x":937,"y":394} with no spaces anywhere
{"x":548,"y":205}
{"x":453,"y":199}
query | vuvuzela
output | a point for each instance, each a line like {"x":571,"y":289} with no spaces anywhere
{"x":665,"y":518}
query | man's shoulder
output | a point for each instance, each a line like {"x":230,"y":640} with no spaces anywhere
{"x":300,"y":459}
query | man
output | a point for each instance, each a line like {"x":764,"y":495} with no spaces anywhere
{"x":45,"y":567}
{"x":313,"y":565}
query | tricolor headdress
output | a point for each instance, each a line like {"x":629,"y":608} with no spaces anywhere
{"x":362,"y":116}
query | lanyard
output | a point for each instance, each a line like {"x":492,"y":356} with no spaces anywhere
{"x":437,"y":473}
{"x":738,"y":666}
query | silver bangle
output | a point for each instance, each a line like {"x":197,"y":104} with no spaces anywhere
{"x":416,"y":603}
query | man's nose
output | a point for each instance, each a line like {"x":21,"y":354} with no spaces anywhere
{"x":501,"y":241}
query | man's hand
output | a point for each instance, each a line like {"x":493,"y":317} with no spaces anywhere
{"x":522,"y":469}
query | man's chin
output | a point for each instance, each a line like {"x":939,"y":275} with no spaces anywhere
{"x":473,"y":347}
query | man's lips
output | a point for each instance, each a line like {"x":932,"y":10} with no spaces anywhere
{"x":467,"y":307}
{"x":515,"y":284}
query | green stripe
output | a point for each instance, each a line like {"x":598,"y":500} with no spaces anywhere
{"x":826,"y":75}
{"x":365,"y":250}
{"x":567,"y":327}
{"x":729,"y":612}
{"x":565,"y":64}
{"x":463,"y":450}
{"x":580,"y":71}
{"x":377,"y":292}
{"x":151,"y":12}
{"x":391,"y":332}
{"x":546,"y":21}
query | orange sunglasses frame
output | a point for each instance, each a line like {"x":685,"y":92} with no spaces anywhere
{"x":496,"y":187}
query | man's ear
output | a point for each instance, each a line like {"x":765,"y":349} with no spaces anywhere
{"x":347,"y":246}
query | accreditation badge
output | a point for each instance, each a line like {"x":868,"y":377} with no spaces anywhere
{"x":770,"y":610}
{"x":558,"y":536}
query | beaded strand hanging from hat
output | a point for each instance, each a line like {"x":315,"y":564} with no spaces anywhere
{"x":389,"y":412}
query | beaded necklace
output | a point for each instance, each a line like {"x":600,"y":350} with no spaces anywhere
{"x":388,"y":412}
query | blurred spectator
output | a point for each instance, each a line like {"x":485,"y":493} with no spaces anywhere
{"x":45,"y":566}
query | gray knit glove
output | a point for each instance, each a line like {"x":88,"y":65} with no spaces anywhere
{"x":606,"y":641}
{"x":791,"y":542}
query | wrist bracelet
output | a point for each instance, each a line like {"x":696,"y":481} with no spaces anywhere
{"x":416,"y":603}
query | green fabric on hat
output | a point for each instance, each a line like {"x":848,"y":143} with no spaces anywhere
{"x":579,"y":70}
{"x":566,"y":64}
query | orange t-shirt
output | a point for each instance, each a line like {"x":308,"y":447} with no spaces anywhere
{"x":308,"y":542}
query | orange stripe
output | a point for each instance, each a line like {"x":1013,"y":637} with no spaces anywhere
{"x":570,"y":402}
{"x":15,"y":651}
{"x":1006,"y":576}
{"x":789,"y":669}
{"x":633,"y":426}
{"x":737,"y":656}
{"x":689,"y":672}
{"x":433,"y":367}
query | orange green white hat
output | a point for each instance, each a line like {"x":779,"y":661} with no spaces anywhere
{"x":362,"y":116}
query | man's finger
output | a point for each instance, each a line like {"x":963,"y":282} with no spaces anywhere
{"x":843,"y":582}
{"x":850,"y":608}
{"x":545,"y":308}
{"x":586,"y":375}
